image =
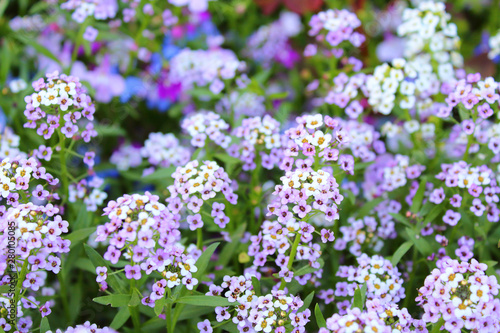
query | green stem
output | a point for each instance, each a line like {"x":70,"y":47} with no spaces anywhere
{"x":20,"y":280}
{"x":64,"y":167}
{"x":134,"y":313}
{"x":293,"y":252}
{"x":168,"y":313}
{"x":64,"y":295}
{"x":199,"y":240}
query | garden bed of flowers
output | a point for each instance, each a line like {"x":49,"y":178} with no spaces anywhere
{"x":281,"y":166}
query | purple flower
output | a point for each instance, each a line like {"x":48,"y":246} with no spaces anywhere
{"x":90,"y":34}
{"x":133,"y":272}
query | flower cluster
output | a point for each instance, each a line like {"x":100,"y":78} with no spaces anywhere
{"x":481,"y":186}
{"x":88,"y":190}
{"x":356,"y":320}
{"x":314,"y":145}
{"x":365,"y":233}
{"x":86,"y":327}
{"x":16,"y":176}
{"x":383,"y":280}
{"x":195,"y":184}
{"x":259,"y":135}
{"x":164,"y":150}
{"x":266,"y":313}
{"x":58,"y":103}
{"x":428,"y":30}
{"x":271,"y":42}
{"x":242,"y":103}
{"x":345,"y":91}
{"x":303,"y":194}
{"x":407,"y":84}
{"x":126,"y":156}
{"x":339,"y":26}
{"x":9,"y":144}
{"x":275,"y":240}
{"x":206,"y":124}
{"x":200,"y":68}
{"x":100,"y":10}
{"x":461,"y":294}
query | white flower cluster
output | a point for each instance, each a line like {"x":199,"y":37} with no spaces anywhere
{"x":203,"y":67}
{"x":165,"y":150}
{"x":494,"y":43}
{"x":383,"y":280}
{"x":406,"y":83}
{"x":428,"y":29}
{"x":395,"y":173}
{"x":99,"y":9}
{"x":90,"y":191}
{"x":205,"y":124}
{"x":9,"y":144}
{"x":266,"y":313}
{"x":260,"y":131}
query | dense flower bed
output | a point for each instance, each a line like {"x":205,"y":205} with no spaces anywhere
{"x":249,"y":166}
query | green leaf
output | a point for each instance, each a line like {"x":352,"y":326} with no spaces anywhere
{"x":116,"y":300}
{"x":230,"y":163}
{"x":433,"y":214}
{"x":82,"y":219}
{"x":121,"y":318}
{"x":369,"y":206}
{"x":4,"y":289}
{"x":203,"y":260}
{"x":308,"y":269}
{"x":97,"y":260}
{"x":420,"y":243}
{"x":278,"y":95}
{"x":359,"y":297}
{"x":205,"y":300}
{"x":436,"y":328}
{"x":419,"y":196}
{"x":402,"y":219}
{"x":135,"y":299}
{"x":103,"y":130}
{"x":39,"y":48}
{"x":307,"y":301}
{"x":78,"y":235}
{"x":256,"y":286}
{"x":160,"y":174}
{"x":159,"y":305}
{"x":320,"y":320}
{"x":400,"y":252}
{"x":6,"y":59}
{"x":44,"y":325}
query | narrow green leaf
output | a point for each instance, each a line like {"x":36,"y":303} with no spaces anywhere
{"x":256,"y":286}
{"x":369,"y":206}
{"x":205,"y":300}
{"x":420,"y":243}
{"x":419,"y":196}
{"x":78,"y":235}
{"x":97,"y":260}
{"x":400,"y":252}
{"x":116,"y":300}
{"x":135,"y":299}
{"x":121,"y":318}
{"x":307,"y":301}
{"x":4,"y":289}
{"x":320,"y":320}
{"x":39,"y":48}
{"x":160,"y":174}
{"x":203,"y":260}
{"x":433,"y":214}
{"x":278,"y":95}
{"x":402,"y":219}
{"x":308,"y":269}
